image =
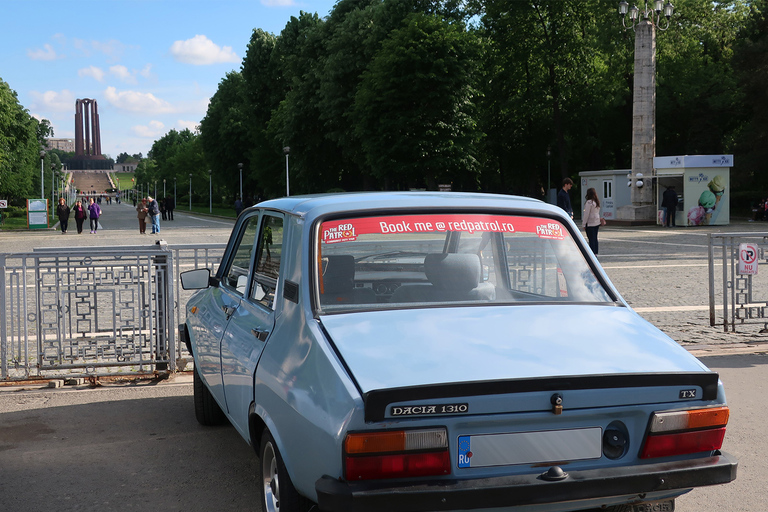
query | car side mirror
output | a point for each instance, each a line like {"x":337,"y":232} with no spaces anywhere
{"x":197,"y":279}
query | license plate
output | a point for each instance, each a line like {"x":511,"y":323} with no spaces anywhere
{"x":656,"y":506}
{"x":529,"y":447}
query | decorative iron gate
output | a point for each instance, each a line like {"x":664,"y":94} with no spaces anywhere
{"x":94,"y":311}
{"x":745,"y":296}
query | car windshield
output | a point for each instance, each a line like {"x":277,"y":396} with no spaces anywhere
{"x":388,"y":262}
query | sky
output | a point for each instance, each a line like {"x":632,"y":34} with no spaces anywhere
{"x":151,"y":65}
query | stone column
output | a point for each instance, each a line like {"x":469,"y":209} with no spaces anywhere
{"x":643,"y":207}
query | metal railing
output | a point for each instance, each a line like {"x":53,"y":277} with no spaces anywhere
{"x":745,"y":296}
{"x":95,"y":311}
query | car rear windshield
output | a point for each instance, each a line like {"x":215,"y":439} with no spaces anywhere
{"x":387,"y":262}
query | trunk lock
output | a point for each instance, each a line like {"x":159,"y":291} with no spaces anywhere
{"x":557,"y":403}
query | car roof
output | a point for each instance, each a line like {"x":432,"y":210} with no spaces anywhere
{"x":312,"y":206}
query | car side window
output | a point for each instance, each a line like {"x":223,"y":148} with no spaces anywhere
{"x":267,"y":266}
{"x":236,"y":276}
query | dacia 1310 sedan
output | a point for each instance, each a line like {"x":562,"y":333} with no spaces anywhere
{"x":443,"y":351}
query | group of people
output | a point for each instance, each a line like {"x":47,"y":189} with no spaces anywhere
{"x":591,"y":220}
{"x":149,"y":207}
{"x":92,"y":212}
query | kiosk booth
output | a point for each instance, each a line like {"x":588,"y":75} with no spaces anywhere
{"x":702,"y":184}
{"x":611,"y":188}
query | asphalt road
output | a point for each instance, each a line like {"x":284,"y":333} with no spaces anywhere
{"x":140,"y":448}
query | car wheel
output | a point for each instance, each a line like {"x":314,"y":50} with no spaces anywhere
{"x":277,"y":491}
{"x":207,"y":411}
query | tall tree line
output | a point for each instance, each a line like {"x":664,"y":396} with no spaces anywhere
{"x":399,"y":94}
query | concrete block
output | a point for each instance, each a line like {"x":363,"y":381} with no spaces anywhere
{"x":56,"y":383}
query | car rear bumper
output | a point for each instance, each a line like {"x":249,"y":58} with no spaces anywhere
{"x":385,"y":496}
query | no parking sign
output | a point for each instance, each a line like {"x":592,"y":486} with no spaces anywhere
{"x":748,"y":259}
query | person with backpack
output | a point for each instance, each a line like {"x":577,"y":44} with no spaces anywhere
{"x":154,"y":213}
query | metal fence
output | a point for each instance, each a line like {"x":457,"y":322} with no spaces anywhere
{"x":744,"y":295}
{"x":95,"y":311}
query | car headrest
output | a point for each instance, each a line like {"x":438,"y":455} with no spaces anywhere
{"x":339,"y":274}
{"x":453,"y":271}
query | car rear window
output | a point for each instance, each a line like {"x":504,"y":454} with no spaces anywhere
{"x":384,"y":262}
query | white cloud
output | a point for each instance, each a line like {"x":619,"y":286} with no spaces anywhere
{"x":53,"y":101}
{"x":192,"y":126}
{"x":45,"y":53}
{"x":146,"y":72}
{"x":123,"y":74}
{"x":113,"y":48}
{"x":92,"y":71}
{"x":202,"y":51}
{"x":155,"y":129}
{"x":134,"y":101}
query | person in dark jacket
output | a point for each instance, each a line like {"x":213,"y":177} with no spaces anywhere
{"x":170,"y":204}
{"x":154,"y":213}
{"x":62,"y":212}
{"x":563,"y":198}
{"x":80,"y":215}
{"x":669,"y":204}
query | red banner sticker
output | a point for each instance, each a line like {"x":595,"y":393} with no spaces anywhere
{"x":349,"y":229}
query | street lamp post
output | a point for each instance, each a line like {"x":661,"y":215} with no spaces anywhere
{"x":210,"y":191}
{"x":42,"y":175}
{"x":644,"y":22}
{"x":174,"y":191}
{"x":155,"y":196}
{"x":53,"y":178}
{"x":240,"y":166}
{"x":163,"y":188}
{"x":549,"y":171}
{"x":190,"y":191}
{"x":287,"y":150}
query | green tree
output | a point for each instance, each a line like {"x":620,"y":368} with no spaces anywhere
{"x":224,"y":134}
{"x":19,"y":147}
{"x":415,"y":108}
{"x":751,"y":66}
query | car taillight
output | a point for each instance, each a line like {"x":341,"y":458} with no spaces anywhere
{"x":683,"y":432}
{"x":396,"y":454}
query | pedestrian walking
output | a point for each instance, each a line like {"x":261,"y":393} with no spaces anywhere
{"x":141,"y":211}
{"x":94,"y":212}
{"x":154,"y":214}
{"x":161,"y":202}
{"x":170,"y":204}
{"x":238,"y":206}
{"x":62,"y":212}
{"x":669,"y":205}
{"x":80,"y":215}
{"x":591,"y":219}
{"x":564,"y":198}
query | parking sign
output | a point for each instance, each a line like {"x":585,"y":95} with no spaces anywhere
{"x":748,"y":259}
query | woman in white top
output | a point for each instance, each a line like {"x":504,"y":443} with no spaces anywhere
{"x":590,"y":219}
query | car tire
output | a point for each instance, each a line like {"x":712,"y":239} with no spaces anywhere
{"x":277,"y":491}
{"x":207,"y":411}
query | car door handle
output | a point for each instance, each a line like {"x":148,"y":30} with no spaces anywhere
{"x":260,"y":334}
{"x":228,"y":310}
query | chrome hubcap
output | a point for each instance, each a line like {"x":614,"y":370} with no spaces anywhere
{"x":270,"y":481}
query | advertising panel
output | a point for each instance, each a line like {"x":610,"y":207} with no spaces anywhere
{"x":707,"y":196}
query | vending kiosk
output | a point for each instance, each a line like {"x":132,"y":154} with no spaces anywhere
{"x":702,"y":184}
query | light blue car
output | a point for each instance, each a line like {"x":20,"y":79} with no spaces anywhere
{"x":425,"y":351}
